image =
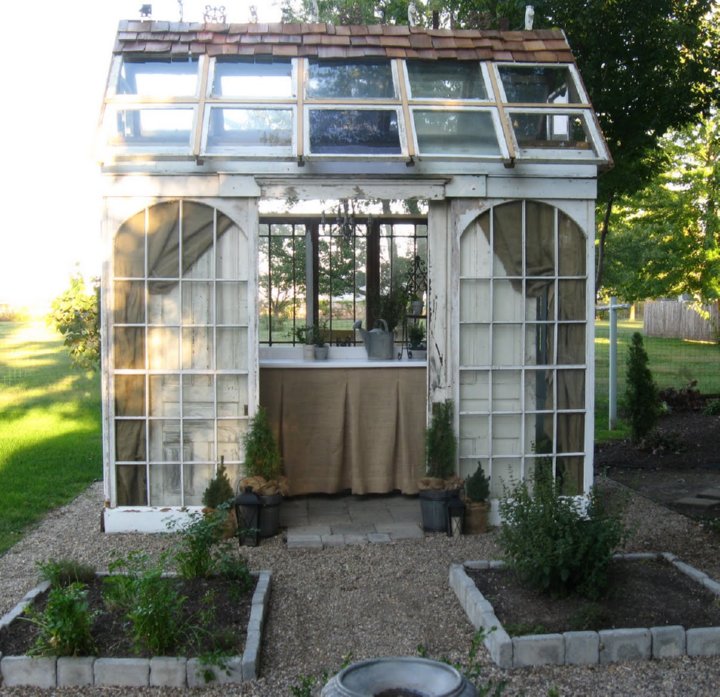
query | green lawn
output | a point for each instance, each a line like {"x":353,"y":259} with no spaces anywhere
{"x":50,"y":432}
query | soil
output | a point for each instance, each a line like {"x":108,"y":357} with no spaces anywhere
{"x":634,"y":600}
{"x":110,"y":630}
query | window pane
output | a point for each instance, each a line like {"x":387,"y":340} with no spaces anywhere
{"x":446,"y":79}
{"x":130,"y":481}
{"x":348,"y":132}
{"x":165,"y":485}
{"x":250,"y":128}
{"x":350,"y":80}
{"x":159,"y":78}
{"x":161,"y":126}
{"x":571,"y":389}
{"x":538,"y":390}
{"x":129,"y":347}
{"x":556,"y":130}
{"x":455,"y":132}
{"x":130,"y":440}
{"x":571,"y":344}
{"x":541,"y":84}
{"x":129,"y":395}
{"x":198,"y":395}
{"x":164,"y":395}
{"x":129,"y":301}
{"x":129,"y":252}
{"x":571,"y":246}
{"x":253,"y":79}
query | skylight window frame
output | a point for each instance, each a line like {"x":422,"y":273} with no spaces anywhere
{"x":120,"y":60}
{"x":292,"y":99}
{"x":574,"y":74}
{"x":395,"y":99}
{"x":490,"y":100}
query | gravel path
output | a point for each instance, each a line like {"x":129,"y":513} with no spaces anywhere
{"x":375,"y":600}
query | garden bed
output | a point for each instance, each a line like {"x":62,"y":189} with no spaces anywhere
{"x":658,"y":607}
{"x":224,"y":642}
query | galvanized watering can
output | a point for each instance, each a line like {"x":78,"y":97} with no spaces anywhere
{"x":378,"y":342}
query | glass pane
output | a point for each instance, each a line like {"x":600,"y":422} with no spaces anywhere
{"x":197,"y":348}
{"x":572,"y":300}
{"x":507,"y":239}
{"x":507,"y":344}
{"x":474,"y":390}
{"x":571,"y":433}
{"x":571,"y":247}
{"x":230,"y":439}
{"x":195,"y":480}
{"x":129,"y":395}
{"x":197,"y":303}
{"x":248,"y":78}
{"x":232,"y":303}
{"x":130,"y":440}
{"x":542,"y":84}
{"x":540,"y":300}
{"x":556,"y":130}
{"x":508,"y":304}
{"x":164,"y":302}
{"x":475,"y":301}
{"x":164,"y":240}
{"x":129,"y":347}
{"x":505,"y":474}
{"x":130,"y":481}
{"x":232,"y":352}
{"x":347,"y":79}
{"x":539,"y":341}
{"x":159,"y":78}
{"x":571,"y":389}
{"x":165,"y":440}
{"x":197,"y":241}
{"x":232,"y":395}
{"x":455,"y":133}
{"x":506,"y":433}
{"x":348,"y":132}
{"x":164,"y":348}
{"x":446,"y":79}
{"x":506,"y":390}
{"x":164,"y":395}
{"x":474,"y":344}
{"x":569,"y":475}
{"x":474,"y":440}
{"x":165,"y":487}
{"x":475,"y":249}
{"x":129,"y":252}
{"x":198,"y":395}
{"x":571,"y":344}
{"x":162,"y":126}
{"x":539,"y":239}
{"x":231,"y":250}
{"x":199,"y":441}
{"x":250,"y":128}
{"x":538,"y":390}
{"x":539,"y":435}
{"x":129,"y":302}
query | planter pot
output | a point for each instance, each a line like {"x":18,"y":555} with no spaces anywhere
{"x":434,"y":509}
{"x":270,"y":515}
{"x":476,"y":517}
{"x":416,"y":307}
{"x":308,"y":352}
{"x":321,"y":353}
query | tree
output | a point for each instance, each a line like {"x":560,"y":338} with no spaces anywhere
{"x":641,"y":396}
{"x":667,"y":235}
{"x":76,"y":315}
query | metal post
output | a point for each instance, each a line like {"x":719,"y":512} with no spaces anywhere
{"x":612,"y":387}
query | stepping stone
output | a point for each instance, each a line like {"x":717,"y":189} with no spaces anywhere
{"x":713,"y":493}
{"x":697,"y":502}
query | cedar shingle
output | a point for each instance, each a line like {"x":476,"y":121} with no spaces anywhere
{"x":158,"y":47}
{"x":332,"y":52}
{"x":395,"y":52}
{"x":420,"y":41}
{"x":285,"y":50}
{"x":403,"y":41}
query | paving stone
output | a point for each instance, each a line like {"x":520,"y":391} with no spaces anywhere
{"x":352,"y":529}
{"x":231,"y":672}
{"x":401,"y":531}
{"x":24,"y":670}
{"x":75,"y":671}
{"x":582,"y":648}
{"x":668,"y":642}
{"x":168,"y":671}
{"x":500,"y":646}
{"x":538,"y":650}
{"x":711,"y":585}
{"x":712,"y":493}
{"x":690,"y":571}
{"x":703,"y":641}
{"x":697,"y":502}
{"x":123,"y":672}
{"x":250,"y":658}
{"x":379,"y":538}
{"x":624,"y":645}
{"x":333,"y":540}
{"x":298,"y":541}
{"x":356,"y":539}
{"x":310,"y":530}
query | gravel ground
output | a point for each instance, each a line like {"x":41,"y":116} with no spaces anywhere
{"x":375,"y":600}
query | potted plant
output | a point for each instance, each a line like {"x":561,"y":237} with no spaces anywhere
{"x":416,"y":337}
{"x":441,"y":483}
{"x":315,"y":338}
{"x":304,"y":336}
{"x":263,"y":472}
{"x":477,"y":491}
{"x":218,"y":497}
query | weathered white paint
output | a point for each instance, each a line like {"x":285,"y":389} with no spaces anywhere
{"x":147,"y":519}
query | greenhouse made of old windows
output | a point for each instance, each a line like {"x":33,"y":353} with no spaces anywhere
{"x":263,"y":179}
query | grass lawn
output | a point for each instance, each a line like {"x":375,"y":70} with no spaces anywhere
{"x":50,"y":427}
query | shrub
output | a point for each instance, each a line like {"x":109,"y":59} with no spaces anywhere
{"x":65,"y":623}
{"x":552,"y":545}
{"x":262,"y":455}
{"x":712,"y":408}
{"x":477,"y":486}
{"x":641,"y":396}
{"x":219,"y":490}
{"x":63,"y":572}
{"x":440,"y":441}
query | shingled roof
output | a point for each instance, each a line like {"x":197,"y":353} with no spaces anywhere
{"x":330,"y":41}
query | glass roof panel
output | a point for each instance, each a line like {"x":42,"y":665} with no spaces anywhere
{"x":354,"y":132}
{"x":461,"y":132}
{"x":446,"y":79}
{"x":349,"y":79}
{"x":158,"y":78}
{"x":551,"y":130}
{"x":253,"y":79}
{"x":250,"y":128}
{"x":147,"y":126}
{"x":542,"y":84}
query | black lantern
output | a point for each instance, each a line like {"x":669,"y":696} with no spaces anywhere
{"x":456,"y":511}
{"x":247,"y":509}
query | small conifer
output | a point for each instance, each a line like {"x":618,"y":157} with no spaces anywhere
{"x":641,"y":396}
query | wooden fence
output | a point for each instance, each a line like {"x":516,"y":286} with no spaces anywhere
{"x":674,"y":319}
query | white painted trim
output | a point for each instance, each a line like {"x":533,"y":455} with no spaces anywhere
{"x":147,"y":519}
{"x":323,"y":188}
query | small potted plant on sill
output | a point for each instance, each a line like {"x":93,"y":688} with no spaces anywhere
{"x":218,"y":498}
{"x":314,"y":339}
{"x":416,"y":337}
{"x":477,"y":507}
{"x":304,"y":336}
{"x":263,"y":472}
{"x":441,"y":484}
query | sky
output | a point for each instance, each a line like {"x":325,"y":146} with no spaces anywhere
{"x":54,"y":68}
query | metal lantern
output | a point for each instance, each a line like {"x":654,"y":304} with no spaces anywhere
{"x":456,"y":512}
{"x":247,"y":509}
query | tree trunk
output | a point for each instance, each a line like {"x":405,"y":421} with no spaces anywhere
{"x":601,"y":244}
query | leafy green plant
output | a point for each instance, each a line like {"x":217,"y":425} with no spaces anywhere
{"x":440,"y":441}
{"x":477,"y":486}
{"x":641,"y":396}
{"x":712,"y":408}
{"x":65,"y":623}
{"x":552,"y":544}
{"x":312,"y":335}
{"x":63,"y":572}
{"x":416,"y":335}
{"x":219,"y":490}
{"x":262,"y":455}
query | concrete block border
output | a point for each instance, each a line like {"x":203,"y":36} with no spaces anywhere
{"x":159,"y":671}
{"x":584,"y":648}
